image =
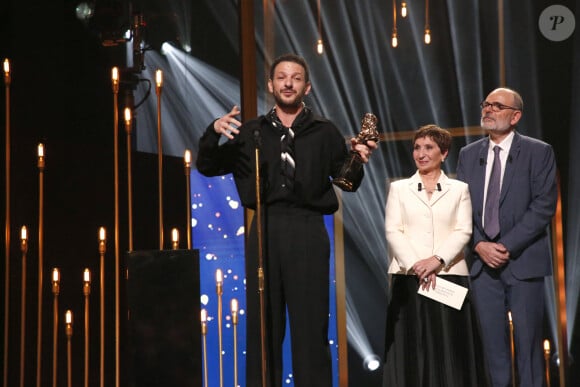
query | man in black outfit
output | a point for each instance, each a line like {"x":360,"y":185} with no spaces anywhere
{"x":299,"y":152}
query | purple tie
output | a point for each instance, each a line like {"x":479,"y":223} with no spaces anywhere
{"x":491,"y":226}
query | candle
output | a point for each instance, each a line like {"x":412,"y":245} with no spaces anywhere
{"x":87,"y":276}
{"x":115,"y":75}
{"x":6,"y":67}
{"x":55,"y":276}
{"x":218,"y":276}
{"x":40,"y":150}
{"x":159,"y":78}
{"x":127,"y":116}
{"x":187,"y":157}
{"x":102,"y":235}
{"x":234,"y":307}
{"x":203,"y":316}
{"x":23,"y":233}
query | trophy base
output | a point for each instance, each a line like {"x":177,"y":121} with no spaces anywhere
{"x":343,"y":184}
{"x":349,"y":176}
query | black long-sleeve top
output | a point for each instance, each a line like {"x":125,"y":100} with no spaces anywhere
{"x":319,"y":153}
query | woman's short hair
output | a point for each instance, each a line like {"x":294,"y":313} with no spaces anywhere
{"x":442,"y":137}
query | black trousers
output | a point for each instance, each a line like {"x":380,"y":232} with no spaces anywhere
{"x":296,"y":268}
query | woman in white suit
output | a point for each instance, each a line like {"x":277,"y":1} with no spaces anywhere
{"x":428,"y":223}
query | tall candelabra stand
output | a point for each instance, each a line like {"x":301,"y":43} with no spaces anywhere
{"x":102,"y":251}
{"x":24,"y":249}
{"x":260,"y":271}
{"x":234,"y":308}
{"x":158,"y":88}
{"x":55,"y":293}
{"x":219,"y":291}
{"x":7,"y":79}
{"x":204,"y":345}
{"x":40,"y":262}
{"x":547,"y":361}
{"x":115,"y":84}
{"x":128,"y":129}
{"x":175,"y":239}
{"x":187,"y":165}
{"x":69,"y":332}
{"x":512,"y":348}
{"x":86,"y":294}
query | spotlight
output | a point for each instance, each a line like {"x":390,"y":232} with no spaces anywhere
{"x":371,"y":362}
{"x":84,"y":11}
{"x":165,"y":48}
{"x":556,"y":359}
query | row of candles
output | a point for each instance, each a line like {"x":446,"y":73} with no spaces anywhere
{"x":234,"y":319}
{"x":56,"y":278}
{"x":68,"y":317}
{"x":115,"y":75}
{"x":204,"y":319}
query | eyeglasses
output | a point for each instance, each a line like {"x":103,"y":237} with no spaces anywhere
{"x":496,"y":106}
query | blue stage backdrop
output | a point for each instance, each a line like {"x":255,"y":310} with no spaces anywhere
{"x":218,"y":233}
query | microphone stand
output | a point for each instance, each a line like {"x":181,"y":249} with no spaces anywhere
{"x":258,"y":142}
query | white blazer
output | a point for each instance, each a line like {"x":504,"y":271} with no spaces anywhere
{"x":418,"y":228}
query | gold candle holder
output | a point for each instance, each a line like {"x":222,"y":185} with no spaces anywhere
{"x":512,"y":348}
{"x":234,"y":309}
{"x":115,"y":79}
{"x":24,"y":249}
{"x":219,"y":292}
{"x":55,"y":293}
{"x":69,"y":332}
{"x":175,"y":239}
{"x":260,"y":271}
{"x":187,"y":165}
{"x":102,"y":251}
{"x":158,"y":88}
{"x":40,"y":165}
{"x":547,"y":361}
{"x":128,"y":129}
{"x":7,"y":80}
{"x":204,"y":345}
{"x":86,"y":294}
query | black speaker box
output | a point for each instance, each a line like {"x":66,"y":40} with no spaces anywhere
{"x":164,"y":330}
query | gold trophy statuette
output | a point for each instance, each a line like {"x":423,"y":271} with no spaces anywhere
{"x":351,"y":168}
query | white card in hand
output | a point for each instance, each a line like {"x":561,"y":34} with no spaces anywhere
{"x":446,"y":292}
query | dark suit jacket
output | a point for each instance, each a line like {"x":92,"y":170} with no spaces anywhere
{"x":527,"y":203}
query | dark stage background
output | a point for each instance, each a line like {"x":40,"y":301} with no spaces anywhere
{"x":61,"y":96}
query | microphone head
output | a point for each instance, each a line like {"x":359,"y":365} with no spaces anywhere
{"x":481,"y":161}
{"x":439,"y":187}
{"x":419,"y":187}
{"x":257,"y":137}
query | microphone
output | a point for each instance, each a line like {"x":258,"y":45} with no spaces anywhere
{"x":481,"y":161}
{"x":420,"y":187}
{"x":509,"y":158}
{"x":257,"y":138}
